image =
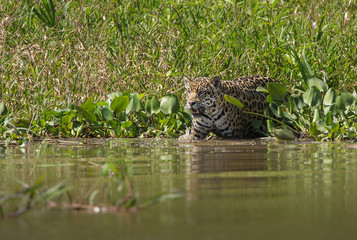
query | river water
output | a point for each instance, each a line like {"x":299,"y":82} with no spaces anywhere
{"x":228,"y":189}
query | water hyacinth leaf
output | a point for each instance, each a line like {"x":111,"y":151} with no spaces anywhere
{"x":233,"y":101}
{"x":102,"y":103}
{"x":274,"y":108}
{"x":298,"y":101}
{"x":66,"y":119}
{"x":134,"y":104}
{"x":316,"y":115}
{"x":122,"y":116}
{"x":318,"y":83}
{"x":88,"y":105}
{"x":170,"y":104}
{"x":328,"y":118}
{"x":344,"y":100}
{"x":152,"y":105}
{"x":283,"y":133}
{"x":141,"y":95}
{"x":330,"y":96}
{"x":3,"y":109}
{"x":261,"y":89}
{"x":90,"y":117}
{"x":119,"y":104}
{"x":127,"y":124}
{"x":53,"y":130}
{"x":107,"y":114}
{"x":313,"y":131}
{"x":312,"y":97}
{"x":277,"y":90}
{"x":332,"y":109}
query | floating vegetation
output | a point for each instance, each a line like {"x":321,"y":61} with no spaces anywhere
{"x":121,"y":115}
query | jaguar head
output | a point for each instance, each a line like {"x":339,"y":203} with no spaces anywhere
{"x":202,"y":95}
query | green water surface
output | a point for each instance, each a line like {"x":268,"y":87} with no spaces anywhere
{"x":232,"y":190}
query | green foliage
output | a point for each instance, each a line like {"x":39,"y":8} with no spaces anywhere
{"x":121,"y":115}
{"x":233,"y":101}
{"x":57,"y":52}
{"x":316,"y":110}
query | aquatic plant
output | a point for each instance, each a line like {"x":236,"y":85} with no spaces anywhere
{"x":121,"y":115}
{"x":313,"y":110}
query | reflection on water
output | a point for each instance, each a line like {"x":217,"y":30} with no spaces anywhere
{"x":233,"y":188}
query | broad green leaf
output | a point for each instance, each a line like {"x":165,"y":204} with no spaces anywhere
{"x":332,"y":109}
{"x":277,"y":90}
{"x":134,"y":104}
{"x":107,"y":114}
{"x":261,"y":89}
{"x":233,"y":101}
{"x":344,"y":100}
{"x":53,"y":130}
{"x":328,"y":118}
{"x":3,"y":109}
{"x":330,"y":96}
{"x":127,"y":124}
{"x":141,"y":95}
{"x":298,"y":101}
{"x":185,"y":116}
{"x":283,"y":133}
{"x":90,"y":117}
{"x":88,"y":105}
{"x":170,"y":104}
{"x":122,"y":116}
{"x":318,"y":83}
{"x":275,"y":109}
{"x":312,"y":97}
{"x":313,"y":131}
{"x":66,"y":119}
{"x":316,"y":115}
{"x":336,"y":128}
{"x":102,"y":103}
{"x":119,"y":104}
{"x":152,"y":105}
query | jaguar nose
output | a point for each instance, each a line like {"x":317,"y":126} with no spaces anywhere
{"x":191,"y":103}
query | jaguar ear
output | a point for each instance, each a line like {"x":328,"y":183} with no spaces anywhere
{"x":216,"y":82}
{"x":187,"y":82}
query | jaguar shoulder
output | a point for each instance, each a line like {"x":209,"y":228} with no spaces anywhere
{"x":212,"y":113}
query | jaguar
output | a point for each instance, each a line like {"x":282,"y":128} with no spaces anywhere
{"x":211,"y":113}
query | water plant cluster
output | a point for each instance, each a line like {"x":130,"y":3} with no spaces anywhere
{"x":121,"y":115}
{"x":312,"y":109}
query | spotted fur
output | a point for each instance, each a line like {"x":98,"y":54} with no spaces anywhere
{"x":212,"y":113}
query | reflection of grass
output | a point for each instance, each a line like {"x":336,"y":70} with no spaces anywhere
{"x":72,"y":50}
{"x":60,"y":196}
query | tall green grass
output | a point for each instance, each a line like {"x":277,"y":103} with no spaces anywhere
{"x":55,"y":52}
